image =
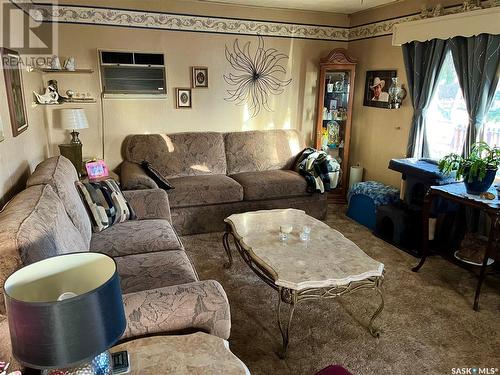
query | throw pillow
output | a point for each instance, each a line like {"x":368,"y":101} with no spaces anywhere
{"x":105,"y":203}
{"x":156,"y":176}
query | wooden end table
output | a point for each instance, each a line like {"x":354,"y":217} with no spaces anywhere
{"x":197,"y":353}
{"x":456,"y":193}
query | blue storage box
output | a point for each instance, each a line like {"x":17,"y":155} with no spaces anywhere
{"x":364,"y":199}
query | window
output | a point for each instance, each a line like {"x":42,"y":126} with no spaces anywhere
{"x":447,"y":119}
{"x":491,"y":130}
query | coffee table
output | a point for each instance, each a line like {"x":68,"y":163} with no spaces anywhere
{"x":326,"y":266}
{"x":197,"y":353}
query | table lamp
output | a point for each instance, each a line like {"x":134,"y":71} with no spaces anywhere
{"x":74,"y":119}
{"x":64,"y":313}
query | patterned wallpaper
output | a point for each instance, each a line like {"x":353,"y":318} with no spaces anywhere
{"x":178,"y":22}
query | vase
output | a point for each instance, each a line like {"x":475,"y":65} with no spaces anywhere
{"x":476,"y":187}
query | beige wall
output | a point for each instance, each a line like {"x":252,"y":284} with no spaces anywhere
{"x":295,"y":108}
{"x":379,"y":135}
{"x":19,"y":155}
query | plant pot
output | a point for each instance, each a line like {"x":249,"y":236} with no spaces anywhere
{"x":476,"y":187}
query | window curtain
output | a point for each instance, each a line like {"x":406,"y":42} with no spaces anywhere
{"x":423,"y":62}
{"x":476,"y":61}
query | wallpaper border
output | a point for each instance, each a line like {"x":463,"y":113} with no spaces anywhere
{"x":89,"y":15}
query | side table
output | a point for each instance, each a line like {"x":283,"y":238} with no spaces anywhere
{"x":456,"y":193}
{"x":197,"y":353}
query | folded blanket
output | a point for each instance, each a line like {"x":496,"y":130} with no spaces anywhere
{"x":321,"y":171}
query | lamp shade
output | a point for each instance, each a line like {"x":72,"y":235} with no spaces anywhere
{"x":73,"y":119}
{"x":64,"y":310}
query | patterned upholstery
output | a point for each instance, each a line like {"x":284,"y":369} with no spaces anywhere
{"x":59,"y":173}
{"x":261,"y":150}
{"x":204,"y":190}
{"x":379,"y":193}
{"x":154,"y":270}
{"x":179,"y":154}
{"x":34,"y":226}
{"x":133,"y":177}
{"x":149,"y":204}
{"x":200,"y":305}
{"x":105,"y":203}
{"x":271,"y":184}
{"x":136,"y":237}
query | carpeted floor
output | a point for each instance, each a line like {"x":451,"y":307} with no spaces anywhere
{"x":428,"y":325}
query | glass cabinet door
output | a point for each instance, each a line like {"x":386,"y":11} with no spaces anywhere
{"x":335,"y":112}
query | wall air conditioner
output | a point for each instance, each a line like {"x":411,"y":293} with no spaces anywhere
{"x":132,"y":74}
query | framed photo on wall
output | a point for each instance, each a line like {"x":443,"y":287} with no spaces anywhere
{"x":183,"y":98}
{"x":199,"y":77}
{"x":376,"y":87}
{"x":15,"y":92}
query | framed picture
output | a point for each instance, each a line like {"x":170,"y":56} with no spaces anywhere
{"x":183,"y":98}
{"x":15,"y":92}
{"x":376,"y":87}
{"x":199,"y":77}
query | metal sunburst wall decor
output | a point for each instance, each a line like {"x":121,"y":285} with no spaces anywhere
{"x":256,"y":77}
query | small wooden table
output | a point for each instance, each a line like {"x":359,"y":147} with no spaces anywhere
{"x":325,"y":267}
{"x":456,"y":193}
{"x":197,"y":353}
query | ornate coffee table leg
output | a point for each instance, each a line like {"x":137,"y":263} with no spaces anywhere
{"x":289,"y":297}
{"x":375,"y":332}
{"x":227,"y":248}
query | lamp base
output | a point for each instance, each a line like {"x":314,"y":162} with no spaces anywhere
{"x":100,"y":365}
{"x":74,"y":138}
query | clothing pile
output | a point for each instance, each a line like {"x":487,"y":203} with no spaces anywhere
{"x":321,"y":171}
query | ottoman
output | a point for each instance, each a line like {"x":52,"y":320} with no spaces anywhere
{"x":364,"y":199}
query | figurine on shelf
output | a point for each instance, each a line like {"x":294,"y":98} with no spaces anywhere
{"x":69,"y":64}
{"x":50,"y":97}
{"x":424,"y":12}
{"x":438,"y":11}
{"x":471,"y":5}
{"x":324,"y":139}
{"x":55,"y":64}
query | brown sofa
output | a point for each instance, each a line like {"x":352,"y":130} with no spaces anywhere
{"x":161,"y":290}
{"x":218,"y":174}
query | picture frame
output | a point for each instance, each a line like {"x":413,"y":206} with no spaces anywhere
{"x":377,"y":84}
{"x":14,"y":90}
{"x":199,"y":77}
{"x":183,"y":98}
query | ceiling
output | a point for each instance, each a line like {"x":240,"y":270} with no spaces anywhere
{"x":333,"y":6}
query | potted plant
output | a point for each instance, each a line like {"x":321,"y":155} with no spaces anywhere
{"x":478,"y":169}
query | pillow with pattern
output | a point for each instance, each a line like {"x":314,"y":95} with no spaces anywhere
{"x":105,"y":203}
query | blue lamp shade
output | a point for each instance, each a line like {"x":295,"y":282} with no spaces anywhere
{"x":64,"y":310}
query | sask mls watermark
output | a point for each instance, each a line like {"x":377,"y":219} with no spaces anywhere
{"x":474,"y":371}
{"x":23,"y":29}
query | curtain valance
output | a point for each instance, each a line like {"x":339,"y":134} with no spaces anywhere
{"x":485,"y":21}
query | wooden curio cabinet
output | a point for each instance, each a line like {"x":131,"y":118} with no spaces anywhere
{"x":334,"y":111}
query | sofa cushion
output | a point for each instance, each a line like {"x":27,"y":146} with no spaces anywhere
{"x":261,"y":150}
{"x":136,"y":237}
{"x":33,"y":226}
{"x":271,"y":184}
{"x":154,"y":270}
{"x":204,"y":190}
{"x":59,"y":173}
{"x":105,"y":203}
{"x":179,"y":154}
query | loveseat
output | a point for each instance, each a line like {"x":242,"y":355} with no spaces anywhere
{"x":217,"y":174}
{"x":161,"y":290}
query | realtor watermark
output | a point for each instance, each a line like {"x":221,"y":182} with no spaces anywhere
{"x":474,"y":371}
{"x":27,"y":30}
